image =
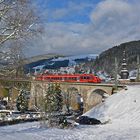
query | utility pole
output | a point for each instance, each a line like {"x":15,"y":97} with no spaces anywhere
{"x":138,"y":67}
{"x":116,"y":73}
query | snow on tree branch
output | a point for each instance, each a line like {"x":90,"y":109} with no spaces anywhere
{"x":17,"y":20}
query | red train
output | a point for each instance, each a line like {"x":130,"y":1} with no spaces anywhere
{"x":82,"y":78}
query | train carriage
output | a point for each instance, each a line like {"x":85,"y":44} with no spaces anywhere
{"x":82,"y":78}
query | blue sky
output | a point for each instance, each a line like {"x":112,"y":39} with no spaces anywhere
{"x":70,"y":10}
{"x":86,"y":26}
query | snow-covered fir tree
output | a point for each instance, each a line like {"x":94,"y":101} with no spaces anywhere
{"x":22,"y":102}
{"x":58,"y":97}
{"x":54,"y":105}
{"x":53,"y":98}
{"x":49,"y":98}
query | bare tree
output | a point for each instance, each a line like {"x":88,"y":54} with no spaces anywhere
{"x":17,"y":20}
{"x":17,"y":60}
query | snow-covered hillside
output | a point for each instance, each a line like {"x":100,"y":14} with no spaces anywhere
{"x":123,"y":107}
{"x":74,"y":57}
{"x":58,"y":62}
{"x":123,"y":110}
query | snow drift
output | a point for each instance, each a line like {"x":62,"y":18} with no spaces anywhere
{"x":123,"y":107}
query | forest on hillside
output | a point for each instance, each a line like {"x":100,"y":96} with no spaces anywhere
{"x":106,"y":60}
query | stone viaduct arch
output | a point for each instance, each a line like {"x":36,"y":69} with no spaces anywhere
{"x":93,"y":98}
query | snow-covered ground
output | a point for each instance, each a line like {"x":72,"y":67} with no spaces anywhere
{"x":122,"y":109}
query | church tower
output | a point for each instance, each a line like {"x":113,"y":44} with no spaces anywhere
{"x":124,"y":72}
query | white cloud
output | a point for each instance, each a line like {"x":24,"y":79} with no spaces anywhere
{"x":114,"y":13}
{"x":116,"y":21}
{"x":112,"y":22}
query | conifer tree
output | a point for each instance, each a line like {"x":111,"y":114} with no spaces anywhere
{"x":49,"y":98}
{"x":58,"y":97}
{"x":53,"y":98}
{"x":22,"y":102}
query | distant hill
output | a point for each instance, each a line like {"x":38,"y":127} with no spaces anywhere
{"x":42,"y":57}
{"x":57,"y":61}
{"x":106,"y":60}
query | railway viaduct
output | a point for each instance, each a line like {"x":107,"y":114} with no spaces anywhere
{"x":92,"y":93}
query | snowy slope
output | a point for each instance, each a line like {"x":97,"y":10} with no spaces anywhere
{"x":56,"y":63}
{"x":123,"y":109}
{"x":74,"y":57}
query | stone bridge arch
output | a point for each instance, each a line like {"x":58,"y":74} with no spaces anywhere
{"x":69,"y":92}
{"x":91,"y":94}
{"x":101,"y":92}
{"x":94,"y":97}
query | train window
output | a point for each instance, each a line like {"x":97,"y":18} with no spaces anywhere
{"x":74,"y":78}
{"x":85,"y":77}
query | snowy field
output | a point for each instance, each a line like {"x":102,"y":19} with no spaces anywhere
{"x":122,"y":110}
